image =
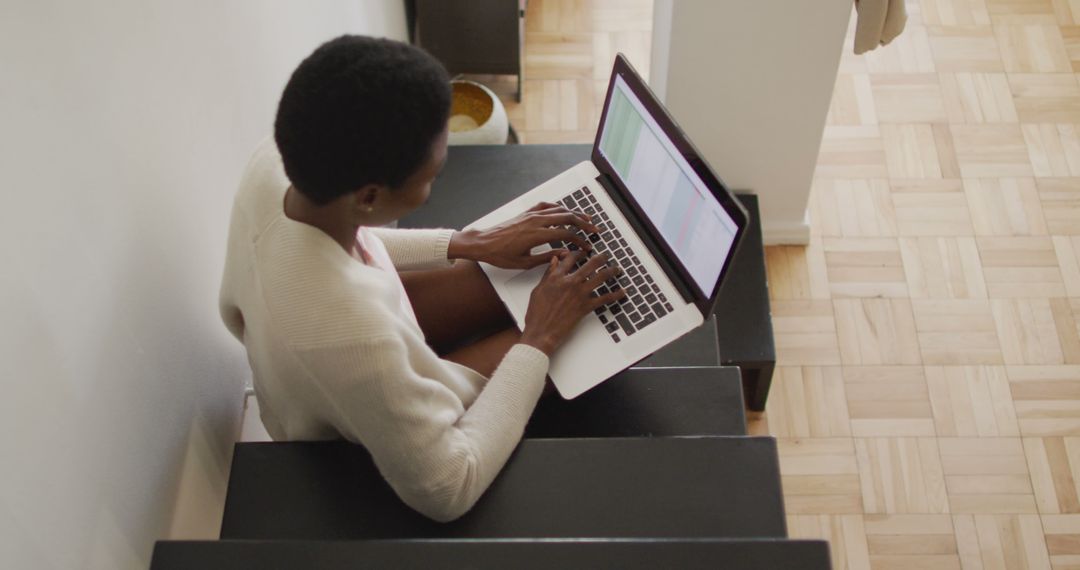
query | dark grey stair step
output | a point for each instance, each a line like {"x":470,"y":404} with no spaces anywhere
{"x":626,"y":554}
{"x":679,"y":487}
{"x":648,"y":402}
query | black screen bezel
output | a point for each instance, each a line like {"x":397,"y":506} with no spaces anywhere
{"x":622,"y":68}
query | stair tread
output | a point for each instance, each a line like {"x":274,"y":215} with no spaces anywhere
{"x":648,"y":402}
{"x":603,"y":487}
{"x":753,"y":554}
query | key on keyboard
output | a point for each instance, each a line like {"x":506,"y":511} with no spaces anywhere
{"x":638,"y":309}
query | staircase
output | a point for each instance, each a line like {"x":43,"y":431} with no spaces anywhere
{"x":650,"y":469}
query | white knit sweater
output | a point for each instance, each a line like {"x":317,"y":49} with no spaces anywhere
{"x":333,"y":356}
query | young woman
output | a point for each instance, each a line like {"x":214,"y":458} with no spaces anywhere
{"x":376,"y":335}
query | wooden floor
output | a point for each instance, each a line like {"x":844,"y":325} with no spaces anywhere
{"x":570,"y":46}
{"x":927,"y":401}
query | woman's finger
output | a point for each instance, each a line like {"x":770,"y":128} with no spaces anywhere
{"x":591,"y":266}
{"x":568,"y":218}
{"x":603,"y":275}
{"x":542,"y":206}
{"x":566,"y":262}
{"x":606,"y":298}
{"x":559,"y":209}
{"x":533,"y":260}
{"x":566,"y":235}
{"x":552,"y":263}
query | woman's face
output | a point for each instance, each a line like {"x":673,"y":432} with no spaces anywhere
{"x":394,"y":204}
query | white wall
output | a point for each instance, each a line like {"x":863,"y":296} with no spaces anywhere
{"x":124,"y":126}
{"x":750,"y":82}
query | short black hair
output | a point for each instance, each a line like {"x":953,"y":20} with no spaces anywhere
{"x":360,"y":111}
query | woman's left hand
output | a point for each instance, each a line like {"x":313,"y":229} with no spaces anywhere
{"x":509,"y":245}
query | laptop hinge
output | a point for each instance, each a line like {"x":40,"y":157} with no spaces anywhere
{"x":658,"y":254}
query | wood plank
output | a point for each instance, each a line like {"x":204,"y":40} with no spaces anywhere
{"x":797,"y":272}
{"x":888,"y":401}
{"x":876,"y":331}
{"x":965,"y":49}
{"x":1046,"y":398}
{"x":986,"y":475}
{"x":910,"y":52}
{"x":1027,"y":331}
{"x":1004,"y":206}
{"x":973,"y":98}
{"x":957,"y":332}
{"x":908,"y":98}
{"x":1031,"y":44}
{"x":852,"y":208}
{"x":910,"y":151}
{"x":991,"y":150}
{"x":851,"y":152}
{"x":1020,"y":267}
{"x":807,"y":465}
{"x":808,"y":401}
{"x":846,"y":535}
{"x":1054,"y":150}
{"x":1067,"y":250}
{"x":805,"y":333}
{"x":942,"y":268}
{"x":865,"y":267}
{"x":1061,"y":204}
{"x":968,"y":13}
{"x":932,"y":214}
{"x":901,"y":475}
{"x":1002,"y":541}
{"x":852,"y":101}
{"x":971,"y":401}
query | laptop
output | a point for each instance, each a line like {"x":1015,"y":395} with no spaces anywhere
{"x":665,"y":218}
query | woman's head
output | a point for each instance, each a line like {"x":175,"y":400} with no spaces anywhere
{"x":366,"y":117}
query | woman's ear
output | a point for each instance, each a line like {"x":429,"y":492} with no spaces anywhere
{"x":365,"y":198}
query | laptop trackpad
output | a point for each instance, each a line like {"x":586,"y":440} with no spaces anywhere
{"x":519,"y":289}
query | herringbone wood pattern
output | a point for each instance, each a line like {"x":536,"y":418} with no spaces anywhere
{"x":927,"y":400}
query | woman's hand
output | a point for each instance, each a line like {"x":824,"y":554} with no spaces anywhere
{"x":509,"y":245}
{"x":563,"y":297}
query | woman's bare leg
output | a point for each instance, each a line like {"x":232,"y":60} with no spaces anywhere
{"x":455,"y":305}
{"x":485,"y":354}
{"x":462,"y":317}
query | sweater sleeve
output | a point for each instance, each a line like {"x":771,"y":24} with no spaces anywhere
{"x":415,"y":248}
{"x":438,"y":457}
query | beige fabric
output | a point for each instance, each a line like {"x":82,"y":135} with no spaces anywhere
{"x":334,"y":356}
{"x":879,"y":22}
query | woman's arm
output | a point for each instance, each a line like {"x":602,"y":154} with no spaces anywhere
{"x":438,"y":457}
{"x":415,"y":248}
{"x":508,"y":245}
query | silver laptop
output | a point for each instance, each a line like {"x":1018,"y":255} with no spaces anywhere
{"x":665,"y":218}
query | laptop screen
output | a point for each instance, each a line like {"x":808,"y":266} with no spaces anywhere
{"x":690,"y":219}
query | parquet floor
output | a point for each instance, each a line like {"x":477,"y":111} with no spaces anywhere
{"x":569,"y":48}
{"x":927,"y":398}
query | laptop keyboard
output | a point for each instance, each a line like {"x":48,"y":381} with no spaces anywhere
{"x":643,"y":304}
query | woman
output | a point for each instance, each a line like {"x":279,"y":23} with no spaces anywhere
{"x":424,"y":368}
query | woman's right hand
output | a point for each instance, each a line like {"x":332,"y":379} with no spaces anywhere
{"x":563,"y":297}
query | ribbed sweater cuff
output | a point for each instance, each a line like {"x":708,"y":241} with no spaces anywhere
{"x":524,"y":359}
{"x":442,"y":244}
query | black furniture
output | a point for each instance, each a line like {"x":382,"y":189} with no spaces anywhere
{"x":709,"y":554}
{"x":471,"y":36}
{"x":647,"y":402}
{"x":477,"y":179}
{"x":667,"y":487}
